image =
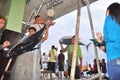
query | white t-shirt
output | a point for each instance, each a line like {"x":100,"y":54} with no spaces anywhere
{"x":45,"y":58}
{"x":37,"y":26}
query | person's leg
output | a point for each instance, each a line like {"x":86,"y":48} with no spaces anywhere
{"x":59,"y":70}
{"x":49,"y":66}
{"x":69,"y":70}
{"x":114,"y":69}
{"x":62,"y":70}
{"x":77,"y":72}
{"x":53,"y":69}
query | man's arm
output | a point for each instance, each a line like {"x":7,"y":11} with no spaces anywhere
{"x":80,"y":57}
{"x":61,"y":45}
{"x":46,"y":32}
{"x":46,"y":35}
{"x":80,"y":62}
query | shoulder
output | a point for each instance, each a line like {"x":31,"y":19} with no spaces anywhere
{"x":109,"y":18}
{"x":49,"y":50}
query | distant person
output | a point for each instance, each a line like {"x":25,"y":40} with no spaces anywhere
{"x":94,"y":69}
{"x":90,"y":70}
{"x":2,"y":23}
{"x":70,"y":49}
{"x":52,"y":60}
{"x":112,"y":40}
{"x":90,"y":67}
{"x":103,"y":67}
{"x":44,"y":60}
{"x":61,"y":59}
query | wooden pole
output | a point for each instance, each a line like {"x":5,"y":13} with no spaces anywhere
{"x":93,"y":36}
{"x":73,"y":65}
{"x":6,"y":68}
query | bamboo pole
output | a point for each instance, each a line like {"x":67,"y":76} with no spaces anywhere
{"x":93,"y":36}
{"x":73,"y":65}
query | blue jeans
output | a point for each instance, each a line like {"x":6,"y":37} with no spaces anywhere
{"x":114,"y":69}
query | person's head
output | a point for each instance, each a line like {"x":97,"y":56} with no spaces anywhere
{"x":37,"y":17}
{"x":73,"y":39}
{"x":43,"y":53}
{"x":53,"y":47}
{"x":89,"y":65}
{"x":103,"y":60}
{"x":114,"y":11}
{"x":32,"y":30}
{"x":2,"y":22}
{"x":94,"y":60}
{"x":61,"y":51}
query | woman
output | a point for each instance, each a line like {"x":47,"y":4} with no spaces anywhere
{"x":112,"y":40}
{"x":2,"y":23}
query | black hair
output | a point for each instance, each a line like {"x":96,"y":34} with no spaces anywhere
{"x":1,"y":17}
{"x":73,"y":36}
{"x":32,"y":29}
{"x":61,"y":51}
{"x":36,"y":16}
{"x":53,"y":47}
{"x":114,"y":11}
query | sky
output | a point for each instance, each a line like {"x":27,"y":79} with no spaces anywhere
{"x":65,"y":26}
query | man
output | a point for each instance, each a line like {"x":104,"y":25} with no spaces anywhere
{"x":70,"y":49}
{"x":39,"y":23}
{"x":52,"y":60}
{"x":44,"y":60}
{"x":61,"y":58}
{"x":2,"y":23}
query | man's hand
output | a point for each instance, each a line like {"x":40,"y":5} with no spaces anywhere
{"x":99,"y":37}
{"x":5,"y":44}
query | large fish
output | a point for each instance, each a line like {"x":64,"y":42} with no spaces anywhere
{"x":26,"y":45}
{"x":67,"y":40}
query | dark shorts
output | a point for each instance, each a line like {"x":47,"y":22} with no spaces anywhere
{"x":77,"y":72}
{"x":51,"y":66}
{"x":61,"y":67}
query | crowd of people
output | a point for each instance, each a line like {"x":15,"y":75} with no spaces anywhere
{"x":56,"y":61}
{"x":93,"y":69}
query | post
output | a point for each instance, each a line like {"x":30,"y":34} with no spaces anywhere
{"x":93,"y":36}
{"x":73,"y":65}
